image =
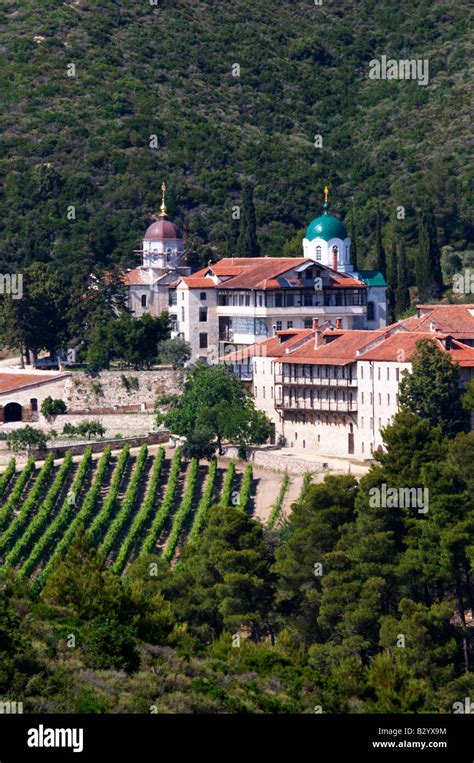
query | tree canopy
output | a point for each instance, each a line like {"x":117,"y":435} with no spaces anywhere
{"x":215,"y":407}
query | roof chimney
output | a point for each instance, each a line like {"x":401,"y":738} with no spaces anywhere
{"x":315,"y":324}
{"x":317,"y":338}
{"x":274,"y":328}
{"x":339,"y":323}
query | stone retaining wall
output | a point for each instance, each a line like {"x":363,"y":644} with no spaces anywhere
{"x":97,"y":446}
{"x":107,"y":392}
{"x":278,"y":462}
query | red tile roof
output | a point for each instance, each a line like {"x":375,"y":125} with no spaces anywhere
{"x":340,"y":352}
{"x":133,"y":277}
{"x":9,"y":382}
{"x":456,"y":320}
{"x":401,"y":346}
{"x":194,"y":282}
{"x":264,"y":272}
{"x":274,"y":347}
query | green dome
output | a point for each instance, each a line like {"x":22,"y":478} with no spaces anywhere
{"x":326,"y":227}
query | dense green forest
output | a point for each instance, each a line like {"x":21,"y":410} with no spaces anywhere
{"x":87,"y":85}
{"x":350,"y":605}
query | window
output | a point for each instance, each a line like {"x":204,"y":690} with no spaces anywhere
{"x":182,"y":314}
{"x":308,"y":323}
{"x":379,"y":371}
{"x":371,"y":399}
{"x":290,"y":300}
{"x":263,"y":392}
{"x":202,"y":314}
{"x":380,"y":398}
{"x":370,"y":311}
{"x":319,"y":438}
{"x":143,"y":300}
{"x":388,"y":399}
{"x":397,"y":374}
{"x":388,"y":373}
{"x":380,"y":423}
{"x":318,"y":253}
{"x":34,"y":404}
{"x":271,"y":392}
{"x":304,"y":443}
{"x":278,"y":325}
{"x":182,"y":295}
{"x":203,"y":296}
{"x":362,"y":422}
{"x":362,"y":372}
{"x":362,"y":398}
{"x":362,"y":447}
{"x":202,"y":341}
{"x":289,"y":324}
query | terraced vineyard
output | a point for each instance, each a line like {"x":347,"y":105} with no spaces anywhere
{"x":132,"y":504}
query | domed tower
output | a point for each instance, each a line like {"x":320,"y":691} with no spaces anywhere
{"x":163,"y":248}
{"x":327,"y":241}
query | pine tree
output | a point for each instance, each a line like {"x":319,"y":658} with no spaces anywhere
{"x":429,"y":279}
{"x":379,"y":249}
{"x":402,"y":293}
{"x":247,"y":244}
{"x":432,"y":389}
{"x":355,"y":263}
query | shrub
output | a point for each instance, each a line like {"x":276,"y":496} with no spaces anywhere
{"x":51,"y":408}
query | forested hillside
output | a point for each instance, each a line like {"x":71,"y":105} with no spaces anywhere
{"x":167,"y":70}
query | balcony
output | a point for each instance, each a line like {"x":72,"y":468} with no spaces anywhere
{"x":332,"y":406}
{"x":319,"y":381}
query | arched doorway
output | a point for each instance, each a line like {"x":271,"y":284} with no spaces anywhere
{"x":13,"y":412}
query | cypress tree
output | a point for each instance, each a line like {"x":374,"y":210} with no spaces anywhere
{"x":355,"y":263}
{"x":247,"y":245}
{"x":379,"y":250}
{"x":429,"y":279}
{"x":392,"y":280}
{"x":402,"y":293}
{"x":233,"y":237}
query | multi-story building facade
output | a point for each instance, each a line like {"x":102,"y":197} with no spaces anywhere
{"x":331,"y":392}
{"x":235,"y":302}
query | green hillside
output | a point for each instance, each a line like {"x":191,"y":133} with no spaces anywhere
{"x":167,"y":70}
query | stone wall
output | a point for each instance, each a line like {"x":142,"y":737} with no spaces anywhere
{"x":108,"y":391}
{"x":274,"y":459}
{"x":99,"y":445}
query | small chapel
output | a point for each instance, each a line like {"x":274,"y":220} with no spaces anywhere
{"x":163,"y":256}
